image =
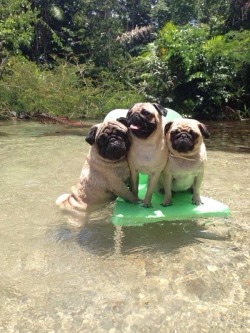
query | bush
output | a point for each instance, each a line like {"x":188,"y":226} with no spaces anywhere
{"x":196,"y":74}
{"x":26,"y":89}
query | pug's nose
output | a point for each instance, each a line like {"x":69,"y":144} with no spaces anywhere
{"x":135,"y":118}
{"x":183,"y":135}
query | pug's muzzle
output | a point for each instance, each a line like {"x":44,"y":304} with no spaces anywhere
{"x":140,"y":126}
{"x":183,"y":142}
{"x":112,"y":145}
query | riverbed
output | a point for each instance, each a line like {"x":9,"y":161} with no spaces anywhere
{"x":57,"y":276}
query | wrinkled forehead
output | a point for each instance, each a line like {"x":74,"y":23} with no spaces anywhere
{"x":184,"y":124}
{"x":110,"y":126}
{"x":143,"y":106}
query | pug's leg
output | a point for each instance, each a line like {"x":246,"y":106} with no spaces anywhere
{"x":152,"y":185}
{"x":121,"y":190}
{"x":196,"y":200}
{"x":78,"y":219}
{"x":161,"y":185}
{"x":167,"y":187}
{"x":134,"y":179}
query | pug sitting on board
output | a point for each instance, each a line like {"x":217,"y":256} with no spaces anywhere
{"x":186,"y":158}
{"x":147,"y":153}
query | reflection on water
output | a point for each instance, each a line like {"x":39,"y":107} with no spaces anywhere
{"x":230,"y":136}
{"x":187,"y":276}
{"x":104,"y":239}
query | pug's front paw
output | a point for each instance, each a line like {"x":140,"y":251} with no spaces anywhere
{"x":166,"y":204}
{"x":146,"y":204}
{"x":197,"y":201}
{"x":167,"y":201}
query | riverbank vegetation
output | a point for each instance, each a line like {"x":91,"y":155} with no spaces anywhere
{"x":84,"y":58}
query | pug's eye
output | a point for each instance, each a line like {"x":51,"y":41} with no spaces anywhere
{"x":175,"y":132}
{"x":193,"y":134}
{"x":145,"y":113}
{"x":119,"y":134}
{"x":103,"y":137}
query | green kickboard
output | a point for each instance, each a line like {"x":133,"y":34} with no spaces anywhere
{"x":129,"y":214}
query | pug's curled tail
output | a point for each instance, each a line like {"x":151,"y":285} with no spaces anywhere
{"x":62,"y":199}
{"x":68,"y":201}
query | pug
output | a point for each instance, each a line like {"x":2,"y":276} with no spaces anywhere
{"x":147,"y":153}
{"x":187,"y":157}
{"x":105,"y":170}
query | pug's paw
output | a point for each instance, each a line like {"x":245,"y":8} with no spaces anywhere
{"x":146,"y":204}
{"x":136,"y":200}
{"x":197,"y":201}
{"x":166,"y":203}
{"x":167,"y":200}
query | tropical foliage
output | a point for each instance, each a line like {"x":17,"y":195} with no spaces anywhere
{"x":199,"y":74}
{"x":82,"y":58}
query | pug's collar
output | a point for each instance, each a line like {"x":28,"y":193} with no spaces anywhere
{"x":107,"y":161}
{"x":183,"y":157}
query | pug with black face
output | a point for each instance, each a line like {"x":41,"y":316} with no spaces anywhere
{"x":187,"y":157}
{"x":105,"y":170}
{"x":147,"y":153}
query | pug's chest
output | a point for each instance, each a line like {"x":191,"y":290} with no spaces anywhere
{"x":184,"y":174}
{"x":146,"y":160}
{"x":183,"y":168}
{"x":123,"y":173}
{"x":120,"y":171}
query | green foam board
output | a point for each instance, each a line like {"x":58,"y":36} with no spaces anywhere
{"x":129,"y":214}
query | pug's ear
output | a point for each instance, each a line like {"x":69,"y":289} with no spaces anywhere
{"x":160,"y":109}
{"x":129,"y":113}
{"x":123,"y":120}
{"x":204,"y":131}
{"x":90,"y":138}
{"x":167,"y":127}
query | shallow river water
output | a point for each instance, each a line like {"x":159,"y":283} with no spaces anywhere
{"x":191,"y":276}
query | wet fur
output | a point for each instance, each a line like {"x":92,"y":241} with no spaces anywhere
{"x":105,"y":170}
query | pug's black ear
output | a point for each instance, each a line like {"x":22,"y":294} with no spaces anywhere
{"x":204,"y":131}
{"x":167,"y":127}
{"x":129,"y":113}
{"x":160,"y":109}
{"x":90,"y":138}
{"x":123,"y":120}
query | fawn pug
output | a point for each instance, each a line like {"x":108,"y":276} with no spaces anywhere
{"x":147,"y":153}
{"x":105,"y":170}
{"x":187,"y":157}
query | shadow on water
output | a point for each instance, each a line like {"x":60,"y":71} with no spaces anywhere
{"x":105,"y":239}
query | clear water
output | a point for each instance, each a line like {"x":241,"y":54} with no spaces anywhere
{"x":190,"y":276}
